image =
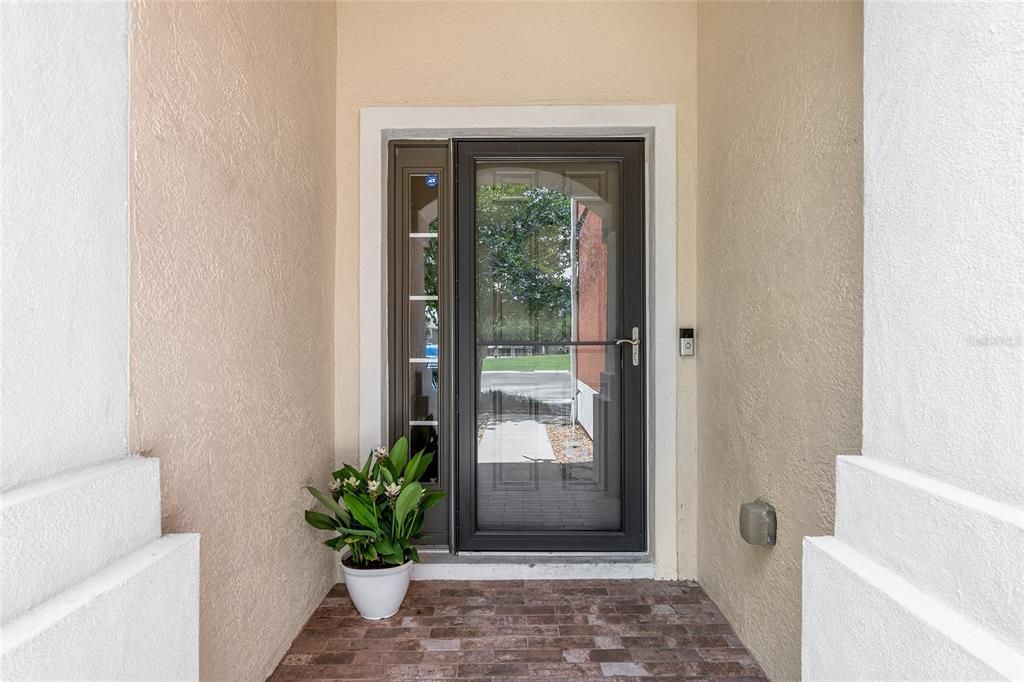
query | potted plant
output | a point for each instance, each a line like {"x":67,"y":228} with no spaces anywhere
{"x":377,"y":512}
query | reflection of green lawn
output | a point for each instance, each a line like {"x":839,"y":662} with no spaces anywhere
{"x":528,"y":363}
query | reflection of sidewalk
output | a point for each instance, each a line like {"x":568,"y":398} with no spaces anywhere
{"x":514,"y":442}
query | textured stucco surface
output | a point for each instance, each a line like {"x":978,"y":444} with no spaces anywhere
{"x":63,"y":238}
{"x":943,"y":359}
{"x":535,"y":53}
{"x":89,"y":589}
{"x":944,"y":296}
{"x":233,"y":195}
{"x":780,"y":254}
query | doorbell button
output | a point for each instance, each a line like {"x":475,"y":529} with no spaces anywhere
{"x":686,"y":341}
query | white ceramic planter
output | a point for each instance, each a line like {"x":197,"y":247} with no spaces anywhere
{"x":377,"y":592}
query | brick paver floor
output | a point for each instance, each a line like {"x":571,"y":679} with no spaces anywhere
{"x":558,"y":629}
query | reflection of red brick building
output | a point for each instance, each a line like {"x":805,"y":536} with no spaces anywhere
{"x":592,"y":254}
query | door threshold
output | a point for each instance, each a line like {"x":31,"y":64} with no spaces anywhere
{"x":438,"y":564}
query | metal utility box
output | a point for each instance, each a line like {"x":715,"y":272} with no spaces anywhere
{"x":758,"y":523}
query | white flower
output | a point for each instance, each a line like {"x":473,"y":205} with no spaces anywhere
{"x":335,"y":485}
{"x":380,"y":452}
{"x":352,"y":482}
{"x":392,"y":489}
{"x":373,"y":487}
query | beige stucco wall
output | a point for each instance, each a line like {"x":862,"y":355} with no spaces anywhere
{"x":467,"y":54}
{"x":233,"y":215}
{"x":780,"y":251}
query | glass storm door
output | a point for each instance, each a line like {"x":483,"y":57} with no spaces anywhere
{"x":549,"y":348}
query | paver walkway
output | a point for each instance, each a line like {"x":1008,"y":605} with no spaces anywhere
{"x":557,"y":629}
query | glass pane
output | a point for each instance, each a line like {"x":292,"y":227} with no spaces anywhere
{"x":547,"y":261}
{"x":424,"y":437}
{"x":423,"y":378}
{"x":548,"y":424}
{"x":423,"y":266}
{"x":423,"y":192}
{"x":423,"y":425}
{"x":422,"y":329}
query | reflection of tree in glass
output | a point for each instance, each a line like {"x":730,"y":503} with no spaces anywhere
{"x":523,"y":261}
{"x":430,"y":273}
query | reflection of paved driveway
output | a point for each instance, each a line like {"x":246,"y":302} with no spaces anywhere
{"x":514,"y":442}
{"x":517,"y":440}
{"x":541,"y":386}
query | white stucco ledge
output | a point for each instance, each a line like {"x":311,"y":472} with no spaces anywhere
{"x":61,"y":530}
{"x":965,"y":550}
{"x":861,"y":621}
{"x":137,"y":619}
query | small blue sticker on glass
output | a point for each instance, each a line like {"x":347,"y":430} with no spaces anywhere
{"x":432,"y":180}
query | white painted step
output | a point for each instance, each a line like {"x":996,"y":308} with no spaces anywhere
{"x":137,"y":619}
{"x":892,"y":630}
{"x":903,"y":520}
{"x":60,"y":530}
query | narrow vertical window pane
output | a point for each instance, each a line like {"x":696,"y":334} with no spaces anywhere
{"x":423,"y":386}
{"x":424,"y":437}
{"x":423,"y":191}
{"x":422,"y":329}
{"x":423,"y":266}
{"x":417,"y":271}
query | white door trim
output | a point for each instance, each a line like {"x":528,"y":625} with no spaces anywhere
{"x":657,"y":124}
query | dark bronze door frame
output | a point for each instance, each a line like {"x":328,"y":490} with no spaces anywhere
{"x":419,"y":388}
{"x":625,"y":359}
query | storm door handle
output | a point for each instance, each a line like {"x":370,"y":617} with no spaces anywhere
{"x":635,"y":342}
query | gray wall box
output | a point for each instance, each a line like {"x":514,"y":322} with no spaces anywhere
{"x":758,"y":523}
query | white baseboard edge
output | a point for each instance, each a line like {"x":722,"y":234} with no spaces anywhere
{"x":533,"y":571}
{"x":444,"y":566}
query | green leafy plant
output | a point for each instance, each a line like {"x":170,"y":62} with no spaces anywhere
{"x":377,"y":511}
